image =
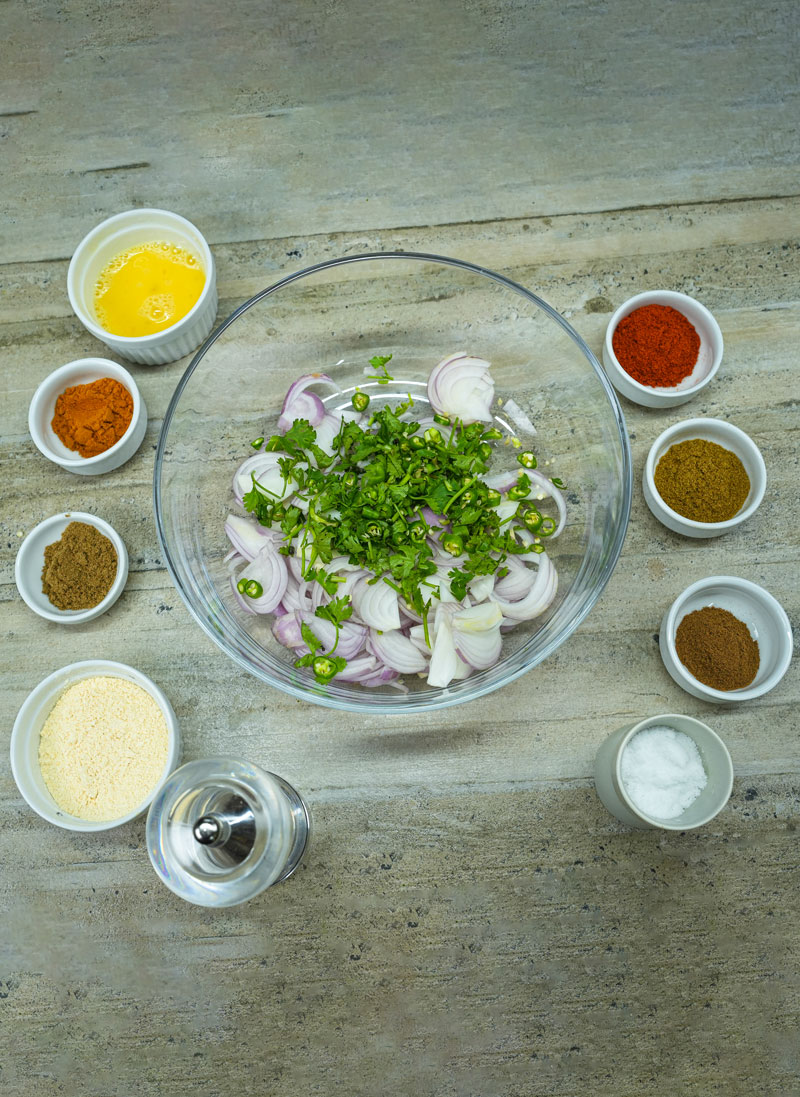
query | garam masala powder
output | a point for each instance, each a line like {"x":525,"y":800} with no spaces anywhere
{"x":717,"y":648}
{"x":80,"y":569}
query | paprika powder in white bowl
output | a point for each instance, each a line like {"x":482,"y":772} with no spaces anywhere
{"x":67,"y":418}
{"x":721,"y":472}
{"x":661,"y":348}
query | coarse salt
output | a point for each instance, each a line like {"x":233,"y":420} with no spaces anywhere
{"x":662,"y":771}
{"x":103,"y":748}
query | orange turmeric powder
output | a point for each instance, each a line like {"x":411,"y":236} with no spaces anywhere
{"x":92,"y":418}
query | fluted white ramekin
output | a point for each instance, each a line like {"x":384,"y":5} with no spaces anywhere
{"x":117,"y":235}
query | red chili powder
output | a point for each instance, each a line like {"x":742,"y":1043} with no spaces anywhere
{"x":656,"y":345}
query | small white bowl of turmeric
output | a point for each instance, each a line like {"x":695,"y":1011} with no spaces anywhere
{"x":88,"y":416}
{"x":92,"y":745}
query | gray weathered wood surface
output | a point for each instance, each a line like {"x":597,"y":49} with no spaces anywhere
{"x":470,"y":921}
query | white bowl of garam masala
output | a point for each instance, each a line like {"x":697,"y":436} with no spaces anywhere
{"x":92,"y":745}
{"x":71,"y":568}
{"x":88,"y":416}
{"x":726,"y":640}
{"x":703,"y":477}
{"x":661,"y":348}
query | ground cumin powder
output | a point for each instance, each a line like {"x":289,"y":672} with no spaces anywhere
{"x":80,"y":569}
{"x":717,"y":648}
{"x":702,"y":481}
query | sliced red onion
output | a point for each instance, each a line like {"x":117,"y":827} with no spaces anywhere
{"x":408,"y":611}
{"x":397,"y":651}
{"x":481,"y":587}
{"x":286,"y":630}
{"x":351,"y":635}
{"x":461,"y":386}
{"x":518,"y":417}
{"x":269,"y":569}
{"x":300,"y":404}
{"x":357,"y":669}
{"x":244,"y":603}
{"x":444,"y":658}
{"x":476,"y":634}
{"x":376,"y":605}
{"x":264,"y":466}
{"x":478,"y":618}
{"x":327,"y":431}
{"x":246,"y":536}
{"x":507,"y":509}
{"x":501,"y":481}
{"x":537,"y":599}
{"x":517,"y":583}
{"x":381,"y":677}
{"x":479,"y":649}
{"x":547,"y":487}
{"x":234,"y":560}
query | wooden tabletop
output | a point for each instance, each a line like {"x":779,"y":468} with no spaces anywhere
{"x":470,"y":921}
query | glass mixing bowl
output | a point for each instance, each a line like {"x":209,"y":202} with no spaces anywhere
{"x":332,"y":318}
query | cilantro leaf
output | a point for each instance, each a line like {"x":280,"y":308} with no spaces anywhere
{"x":379,"y":363}
{"x":311,"y":638}
{"x":336,"y":611}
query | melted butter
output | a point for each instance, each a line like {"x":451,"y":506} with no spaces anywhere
{"x":147,"y":288}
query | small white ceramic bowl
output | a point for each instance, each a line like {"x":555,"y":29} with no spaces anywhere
{"x":729,"y":437}
{"x":43,"y":407}
{"x":30,"y":561}
{"x":31,"y":719}
{"x":764,"y":617}
{"x":708,"y":358}
{"x":117,"y":235}
{"x":716,"y":762}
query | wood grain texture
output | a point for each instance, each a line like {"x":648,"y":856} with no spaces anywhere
{"x":470,"y":922}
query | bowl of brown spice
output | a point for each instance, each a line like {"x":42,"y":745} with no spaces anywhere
{"x":71,"y":568}
{"x":88,"y":416}
{"x":726,"y":640}
{"x":703,"y":477}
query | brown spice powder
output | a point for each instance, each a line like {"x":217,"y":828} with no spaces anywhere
{"x":702,"y":481}
{"x":80,"y":569}
{"x":717,"y":648}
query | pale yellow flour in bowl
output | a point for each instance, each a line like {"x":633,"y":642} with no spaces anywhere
{"x":103,"y":748}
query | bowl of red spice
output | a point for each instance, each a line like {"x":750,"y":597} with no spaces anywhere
{"x":704,"y":477}
{"x":661,"y":348}
{"x":88,"y":416}
{"x":726,"y":640}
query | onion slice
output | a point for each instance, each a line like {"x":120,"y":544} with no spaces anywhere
{"x":461,"y":386}
{"x":269,"y":569}
{"x":376,"y":605}
{"x":396,"y":651}
{"x":300,"y":404}
{"x":538,"y":597}
{"x":247,"y":537}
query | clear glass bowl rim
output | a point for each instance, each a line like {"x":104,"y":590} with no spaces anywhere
{"x":446,"y":700}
